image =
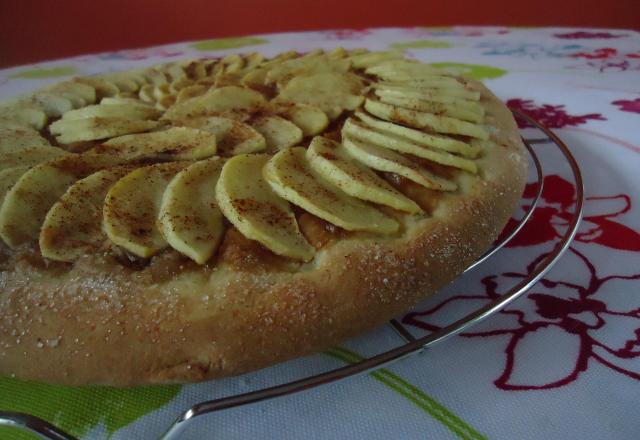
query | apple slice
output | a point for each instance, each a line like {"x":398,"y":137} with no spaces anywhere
{"x":428,"y":90}
{"x":278,"y":132}
{"x":437,"y":108}
{"x":250,"y":204}
{"x":311,"y":120}
{"x":100,"y":85}
{"x":392,"y":69}
{"x":360,"y":131}
{"x":176,"y":143}
{"x":232,"y":137}
{"x":191,"y":92}
{"x":189,"y":217}
{"x":132,"y":206}
{"x":292,"y":178}
{"x":416,"y":119}
{"x":68,"y":131}
{"x":370,"y":59}
{"x":80,"y":94}
{"x":26,"y":204}
{"x":125,"y":111}
{"x":29,"y":156}
{"x":73,"y":225}
{"x":420,"y":137}
{"x":51,"y":104}
{"x":382,"y":159}
{"x":427,"y":94}
{"x":332,"y":92}
{"x":216,"y":102}
{"x":332,"y":162}
{"x":9,"y":177}
{"x":14,"y":138}
{"x":23,"y":115}
{"x":307,"y":65}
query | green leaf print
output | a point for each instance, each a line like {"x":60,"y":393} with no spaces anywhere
{"x":79,"y":409}
{"x":227,"y":43}
{"x":44,"y":73}
{"x":475,"y":71}
{"x":422,"y":44}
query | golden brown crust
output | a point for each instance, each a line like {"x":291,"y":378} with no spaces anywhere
{"x":174,"y":321}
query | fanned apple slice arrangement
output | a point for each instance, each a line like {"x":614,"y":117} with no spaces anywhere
{"x":171,"y":156}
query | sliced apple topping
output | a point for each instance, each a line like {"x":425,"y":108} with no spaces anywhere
{"x":9,"y":177}
{"x":445,"y":143}
{"x":125,"y":100}
{"x":146,"y":93}
{"x":311,"y":120}
{"x":292,"y":178}
{"x":358,"y":130}
{"x":191,"y":92}
{"x":332,"y":92}
{"x":100,"y":85}
{"x":308,"y":65}
{"x":253,"y":60}
{"x":189,"y":217}
{"x":15,"y":138}
{"x":382,"y":159}
{"x":52,"y":105}
{"x":278,"y":132}
{"x":256,"y":78}
{"x":176,"y":143}
{"x":413,"y":94}
{"x":124,"y":111}
{"x":250,"y":204}
{"x":338,"y":52}
{"x":23,"y":115}
{"x":232,"y":137}
{"x":216,"y":102}
{"x":155,"y":76}
{"x":132,"y":206}
{"x":427,"y":89}
{"x":68,"y":131}
{"x":400,"y":69}
{"x":78,"y":93}
{"x":332,"y":162}
{"x":369,"y":59}
{"x":29,"y":156}
{"x":28,"y":201}
{"x":73,"y":225}
{"x":416,"y":119}
{"x":437,"y":108}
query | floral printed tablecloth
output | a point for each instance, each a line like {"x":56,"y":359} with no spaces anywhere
{"x":561,"y":362}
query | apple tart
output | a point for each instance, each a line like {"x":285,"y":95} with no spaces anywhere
{"x":205,"y":218}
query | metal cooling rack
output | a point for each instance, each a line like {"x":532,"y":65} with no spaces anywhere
{"x":411,"y":345}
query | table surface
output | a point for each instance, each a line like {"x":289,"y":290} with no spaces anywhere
{"x":561,"y":362}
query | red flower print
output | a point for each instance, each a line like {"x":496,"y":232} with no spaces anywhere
{"x":599,"y":224}
{"x":588,"y":35}
{"x":628,"y":106}
{"x":597,"y":54}
{"x":553,"y":116}
{"x":586,"y":323}
{"x":576,"y":316}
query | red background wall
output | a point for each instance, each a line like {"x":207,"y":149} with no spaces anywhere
{"x":34,"y":30}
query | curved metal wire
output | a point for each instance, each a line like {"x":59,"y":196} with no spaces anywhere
{"x":36,"y":425}
{"x":48,"y":431}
